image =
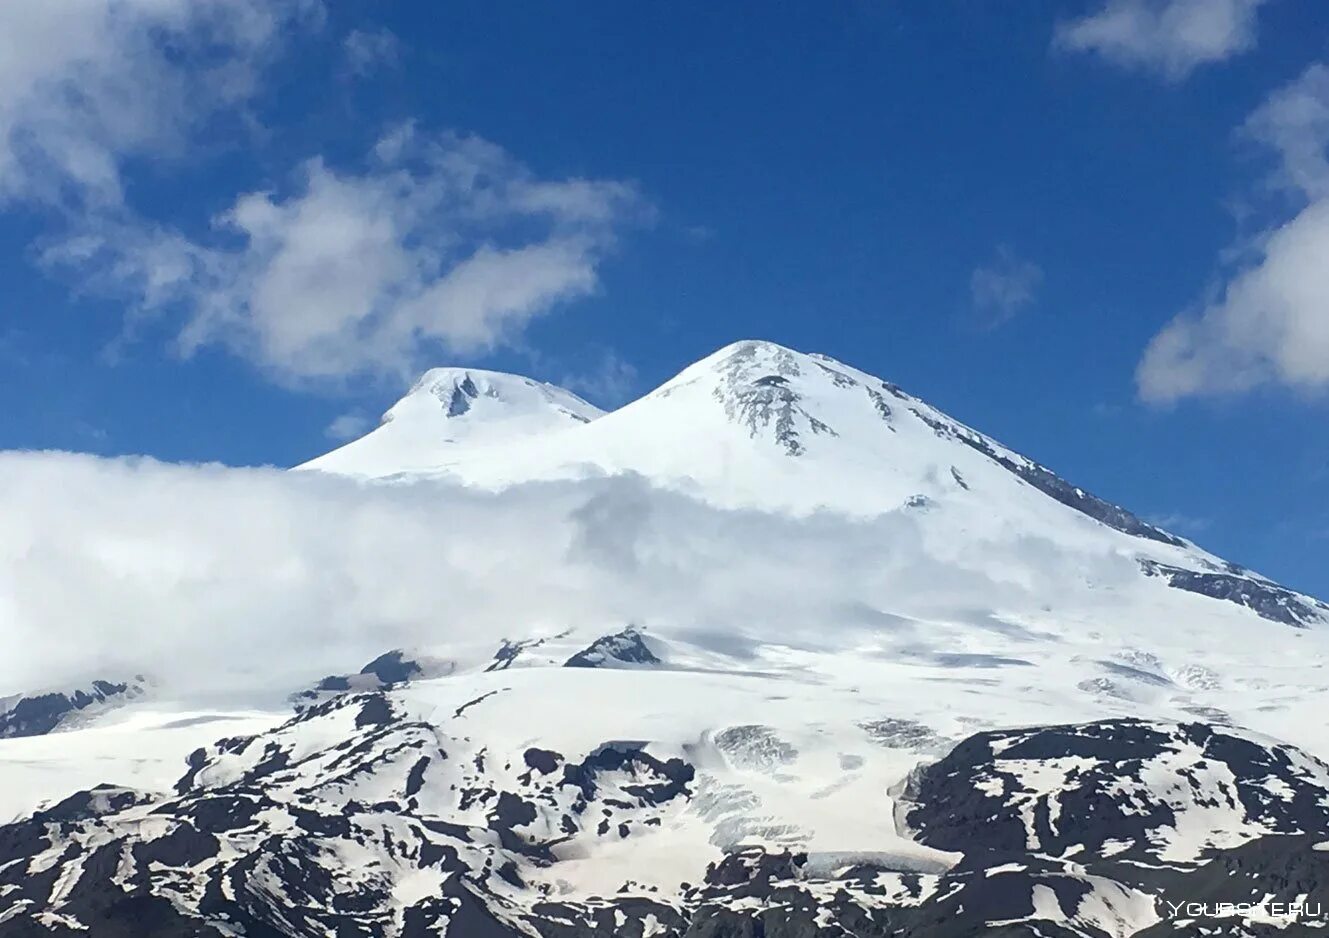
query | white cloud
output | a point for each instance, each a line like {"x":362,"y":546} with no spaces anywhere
{"x":1172,"y":37}
{"x":236,"y":581}
{"x":369,"y":50}
{"x":1294,"y":123}
{"x":438,"y":245}
{"x":609,"y":383}
{"x":348,"y":427}
{"x":1004,"y":286}
{"x":1176,"y":521}
{"x":87,"y":84}
{"x":1270,"y":322}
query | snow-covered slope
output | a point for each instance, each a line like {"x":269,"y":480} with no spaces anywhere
{"x":454,"y":409}
{"x":456,"y":808}
{"x":757,"y":425}
{"x":1024,"y":711}
{"x":36,"y":714}
{"x":753,"y":425}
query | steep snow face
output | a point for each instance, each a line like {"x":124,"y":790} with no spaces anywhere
{"x":754,"y":425}
{"x":454,"y":410}
{"x":757,"y":425}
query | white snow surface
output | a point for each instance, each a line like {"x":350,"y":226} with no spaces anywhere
{"x":454,"y":410}
{"x":793,"y":728}
{"x":753,"y":426}
{"x":719,"y":430}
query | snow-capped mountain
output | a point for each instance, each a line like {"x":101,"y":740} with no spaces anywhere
{"x":1030,"y":712}
{"x":757,"y":425}
{"x":454,"y":410}
{"x":35,"y":714}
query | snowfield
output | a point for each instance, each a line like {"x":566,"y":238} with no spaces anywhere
{"x":778,"y":643}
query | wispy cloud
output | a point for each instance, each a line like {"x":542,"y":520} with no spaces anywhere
{"x":1181,"y":523}
{"x":1004,"y":286}
{"x":277,"y":578}
{"x":1269,"y":323}
{"x":367,"y":51}
{"x":1168,"y":37}
{"x":84,"y":86}
{"x":348,"y":426}
{"x":435,"y":243}
{"x":1293,"y":123}
{"x":608,"y":383}
{"x":439,"y":244}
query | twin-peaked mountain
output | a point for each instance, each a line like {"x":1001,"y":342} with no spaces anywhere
{"x":757,"y":425}
{"x":995,"y":705}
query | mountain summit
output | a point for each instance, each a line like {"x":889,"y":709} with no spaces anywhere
{"x":843,"y":665}
{"x":453,"y":409}
{"x":759,"y":425}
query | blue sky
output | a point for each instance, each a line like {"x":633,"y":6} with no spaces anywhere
{"x":231,"y":230}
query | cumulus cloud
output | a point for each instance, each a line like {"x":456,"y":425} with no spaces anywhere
{"x":1004,"y":286}
{"x":255,"y":582}
{"x":1271,"y":325}
{"x":87,"y":85}
{"x":434,"y":245}
{"x":439,"y":244}
{"x":1270,"y":322}
{"x":1170,"y":37}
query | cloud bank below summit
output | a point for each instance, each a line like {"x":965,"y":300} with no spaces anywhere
{"x":245,"y":584}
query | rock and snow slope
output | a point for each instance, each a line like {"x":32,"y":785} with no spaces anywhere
{"x":428,"y":811}
{"x":1027,"y":726}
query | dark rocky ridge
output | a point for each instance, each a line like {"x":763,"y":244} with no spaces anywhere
{"x":462,"y":395}
{"x":767,"y":401}
{"x":213,"y":862}
{"x":1265,"y":599}
{"x":977,"y":799}
{"x":38,"y":714}
{"x":393,"y":667}
{"x":388,"y":669}
{"x":1046,"y":481}
{"x":622,"y":648}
